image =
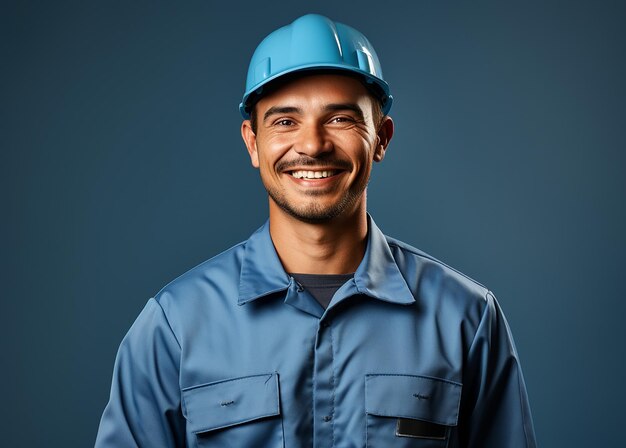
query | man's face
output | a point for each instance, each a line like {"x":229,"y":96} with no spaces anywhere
{"x":315,"y":144}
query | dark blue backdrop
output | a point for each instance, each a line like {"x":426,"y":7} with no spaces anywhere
{"x":122,"y":167}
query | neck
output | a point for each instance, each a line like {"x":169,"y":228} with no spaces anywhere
{"x":333,"y":247}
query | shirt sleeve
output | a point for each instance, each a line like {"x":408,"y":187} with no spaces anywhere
{"x":144,"y":409}
{"x":495,"y":410}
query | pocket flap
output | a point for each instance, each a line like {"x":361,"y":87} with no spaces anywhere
{"x":411,"y":396}
{"x":230,"y":402}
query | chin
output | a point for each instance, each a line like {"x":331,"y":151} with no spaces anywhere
{"x":315,"y":213}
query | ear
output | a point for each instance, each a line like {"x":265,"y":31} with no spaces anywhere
{"x":383,"y":137}
{"x":249,"y":138}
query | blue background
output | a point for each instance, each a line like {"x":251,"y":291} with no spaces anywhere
{"x":122,"y":167}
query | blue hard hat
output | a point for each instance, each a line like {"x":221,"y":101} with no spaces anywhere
{"x":313,"y":42}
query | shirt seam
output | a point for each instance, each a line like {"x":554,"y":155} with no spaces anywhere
{"x":167,"y":321}
{"x":332,"y":343}
{"x":230,"y":380}
{"x":519,"y":385}
{"x":482,"y":316}
{"x":428,"y":377}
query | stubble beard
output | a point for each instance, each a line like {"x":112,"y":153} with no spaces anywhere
{"x":313,"y":212}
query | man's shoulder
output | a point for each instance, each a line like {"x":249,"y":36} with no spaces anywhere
{"x":223,"y":267}
{"x":417,"y":264}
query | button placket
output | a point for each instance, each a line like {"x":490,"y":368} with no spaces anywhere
{"x":324,"y":385}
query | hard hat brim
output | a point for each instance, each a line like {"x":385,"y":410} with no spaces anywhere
{"x":256,"y":92}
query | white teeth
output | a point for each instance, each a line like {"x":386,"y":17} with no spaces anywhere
{"x":312,"y":174}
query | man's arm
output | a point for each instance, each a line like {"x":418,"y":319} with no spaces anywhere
{"x":144,"y":406}
{"x":495,"y":409}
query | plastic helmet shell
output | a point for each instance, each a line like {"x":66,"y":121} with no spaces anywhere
{"x":313,"y":42}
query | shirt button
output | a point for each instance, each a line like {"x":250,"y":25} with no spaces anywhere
{"x":327,"y":418}
{"x":326,"y":324}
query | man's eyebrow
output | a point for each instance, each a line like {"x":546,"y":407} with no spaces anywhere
{"x":276,"y":110}
{"x":338,"y":107}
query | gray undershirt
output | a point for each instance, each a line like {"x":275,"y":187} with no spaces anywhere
{"x":322,"y":286}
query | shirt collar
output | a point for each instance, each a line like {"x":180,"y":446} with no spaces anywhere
{"x":377,"y":276}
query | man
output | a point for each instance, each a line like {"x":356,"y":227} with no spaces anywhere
{"x":318,"y":331}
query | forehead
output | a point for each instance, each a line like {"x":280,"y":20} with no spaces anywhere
{"x":316,"y":89}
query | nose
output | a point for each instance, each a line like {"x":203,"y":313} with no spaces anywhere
{"x":313,"y":141}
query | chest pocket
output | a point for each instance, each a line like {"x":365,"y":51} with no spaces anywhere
{"x":235,"y":412}
{"x":410,"y":411}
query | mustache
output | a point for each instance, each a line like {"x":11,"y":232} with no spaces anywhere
{"x":313,"y":162}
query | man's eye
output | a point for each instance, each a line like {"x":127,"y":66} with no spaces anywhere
{"x":340,"y":120}
{"x":284,"y":122}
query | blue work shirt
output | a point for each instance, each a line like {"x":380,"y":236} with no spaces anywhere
{"x":234,"y":353}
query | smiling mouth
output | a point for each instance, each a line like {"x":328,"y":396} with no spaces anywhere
{"x":307,"y":174}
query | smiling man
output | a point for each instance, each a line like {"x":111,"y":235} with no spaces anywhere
{"x":318,"y":331}
{"x":315,"y":146}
